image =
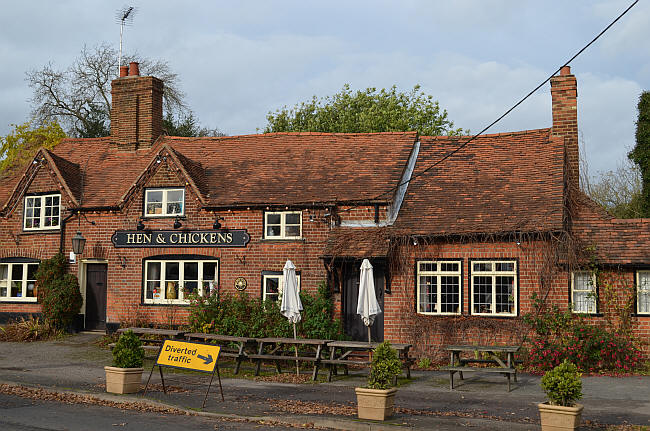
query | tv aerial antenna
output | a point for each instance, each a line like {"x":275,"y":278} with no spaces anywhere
{"x":124,"y":17}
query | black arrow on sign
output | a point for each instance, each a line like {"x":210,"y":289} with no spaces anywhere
{"x":207,"y":359}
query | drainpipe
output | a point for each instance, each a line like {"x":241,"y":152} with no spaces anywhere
{"x":63,"y":223}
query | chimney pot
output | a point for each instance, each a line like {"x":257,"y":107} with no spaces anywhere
{"x":134,"y":70}
{"x":124,"y":71}
{"x":566,"y":70}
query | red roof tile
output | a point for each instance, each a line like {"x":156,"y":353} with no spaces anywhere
{"x":497,"y":183}
{"x":615,"y":241}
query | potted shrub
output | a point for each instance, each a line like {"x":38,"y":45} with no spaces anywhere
{"x":125,"y":376}
{"x":376,"y":401}
{"x":563,"y":388}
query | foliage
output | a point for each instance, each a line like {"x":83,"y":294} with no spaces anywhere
{"x":128,"y":351}
{"x":78,"y":97}
{"x":640,"y":154}
{"x":240,"y":315}
{"x":187,"y":125}
{"x":364,"y":111}
{"x":385,"y":367}
{"x":562,"y":384}
{"x":31,"y":329}
{"x":424,"y":363}
{"x":619,"y":192}
{"x":58,"y":292}
{"x":559,"y":335}
{"x":22,"y":143}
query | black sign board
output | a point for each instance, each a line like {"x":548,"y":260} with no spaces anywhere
{"x":181,"y":238}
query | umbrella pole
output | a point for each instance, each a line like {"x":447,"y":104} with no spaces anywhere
{"x":369,"y":341}
{"x":296,"y":350}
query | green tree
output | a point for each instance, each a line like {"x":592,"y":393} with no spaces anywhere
{"x":369,"y":110}
{"x":640,"y":154}
{"x":23,"y":141}
{"x":187,"y":125}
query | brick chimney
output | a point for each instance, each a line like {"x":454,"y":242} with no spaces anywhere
{"x":564,"y":93}
{"x":136,"y":112}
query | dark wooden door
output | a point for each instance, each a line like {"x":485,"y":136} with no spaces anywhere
{"x":96,"y":296}
{"x":352,"y":322}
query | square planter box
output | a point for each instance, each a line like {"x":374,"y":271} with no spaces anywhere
{"x":559,"y":418}
{"x":375,"y":404}
{"x":123,"y":380}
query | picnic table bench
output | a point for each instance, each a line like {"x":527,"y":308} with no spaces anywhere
{"x":231,"y":346}
{"x":458,"y":364}
{"x":278,"y":349}
{"x":346,"y":353}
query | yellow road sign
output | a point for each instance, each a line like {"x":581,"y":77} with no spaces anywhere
{"x":191,"y":356}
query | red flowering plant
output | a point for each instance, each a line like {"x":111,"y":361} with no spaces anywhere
{"x":559,"y":335}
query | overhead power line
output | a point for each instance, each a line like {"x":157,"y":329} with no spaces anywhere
{"x":473,"y":137}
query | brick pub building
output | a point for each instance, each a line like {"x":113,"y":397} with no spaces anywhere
{"x":458,"y":251}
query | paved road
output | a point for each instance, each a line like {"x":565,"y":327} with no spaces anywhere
{"x":22,"y":414}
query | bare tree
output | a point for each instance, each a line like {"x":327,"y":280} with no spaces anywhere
{"x":617,"y":191}
{"x":78,"y":97}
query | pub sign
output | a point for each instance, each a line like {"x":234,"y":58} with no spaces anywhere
{"x":176,"y":238}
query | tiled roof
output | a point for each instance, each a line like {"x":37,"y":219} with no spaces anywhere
{"x":276,"y":168}
{"x":497,"y":183}
{"x":357,"y":242}
{"x":298,"y":168}
{"x":614,"y":241}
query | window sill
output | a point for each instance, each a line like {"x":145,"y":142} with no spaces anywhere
{"x":18,"y":301}
{"x":165,"y":216}
{"x":283,"y":239}
{"x":588,"y":314}
{"x":426,"y":313}
{"x":37,"y":231}
{"x":165,"y":304}
{"x":494,"y":316}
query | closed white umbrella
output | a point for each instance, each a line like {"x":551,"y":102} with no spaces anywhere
{"x":367,"y":305}
{"x":291,"y":305}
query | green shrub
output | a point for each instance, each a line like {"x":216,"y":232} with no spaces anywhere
{"x":385,"y":367}
{"x":58,"y":292}
{"x":128,"y":351}
{"x":562,"y":384}
{"x":424,"y":363}
{"x":243,"y":316}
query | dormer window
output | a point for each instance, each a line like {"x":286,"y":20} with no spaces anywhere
{"x":42,"y":212}
{"x":283,"y":225}
{"x":164,"y":202}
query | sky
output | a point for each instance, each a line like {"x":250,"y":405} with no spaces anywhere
{"x":238,"y":60}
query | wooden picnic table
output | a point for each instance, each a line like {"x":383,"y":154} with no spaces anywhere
{"x":458,"y":364}
{"x":283,"y":349}
{"x":348,"y":353}
{"x":226,"y":342}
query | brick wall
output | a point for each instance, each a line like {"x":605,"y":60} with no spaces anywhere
{"x":136,"y":111}
{"x":564,"y":94}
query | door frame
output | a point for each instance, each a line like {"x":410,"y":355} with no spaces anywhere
{"x":81,"y":275}
{"x":355,"y":265}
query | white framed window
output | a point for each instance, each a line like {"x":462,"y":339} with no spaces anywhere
{"x":494,"y":287}
{"x":164,"y":202}
{"x":18,"y":282}
{"x":643,"y":292}
{"x":283,"y":225}
{"x":42,"y":212}
{"x":171,"y":281}
{"x":273,"y":285}
{"x":439,"y":287}
{"x":583,"y":292}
